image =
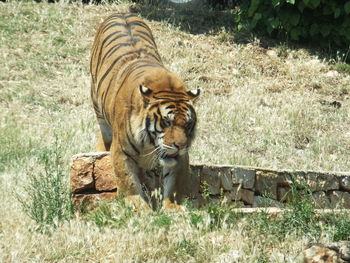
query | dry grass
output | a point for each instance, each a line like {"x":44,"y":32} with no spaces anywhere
{"x":263,"y":107}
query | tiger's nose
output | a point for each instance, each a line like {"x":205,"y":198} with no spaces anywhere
{"x":180,"y":145}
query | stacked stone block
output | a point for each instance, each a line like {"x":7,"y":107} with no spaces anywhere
{"x":92,"y":178}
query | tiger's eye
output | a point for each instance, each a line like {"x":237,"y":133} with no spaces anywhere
{"x":167,"y":122}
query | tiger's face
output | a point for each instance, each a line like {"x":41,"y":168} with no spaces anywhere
{"x":170,"y":122}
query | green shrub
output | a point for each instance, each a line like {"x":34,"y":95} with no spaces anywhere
{"x":161,"y":220}
{"x":301,"y":220}
{"x":322,"y":21}
{"x":47,"y":197}
{"x":115,"y":214}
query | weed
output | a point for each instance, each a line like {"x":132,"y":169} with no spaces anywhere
{"x":47,"y":200}
{"x":115,"y":214}
{"x":224,"y":36}
{"x":161,"y":220}
{"x":338,"y":226}
{"x":196,"y":218}
{"x":13,"y":146}
{"x":299,"y":219}
{"x":221,"y":215}
{"x":343,"y":67}
{"x":186,"y":247}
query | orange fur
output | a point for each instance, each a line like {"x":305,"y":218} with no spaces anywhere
{"x":144,"y":111}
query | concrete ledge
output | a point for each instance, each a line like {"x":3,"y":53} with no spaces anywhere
{"x":249,"y":187}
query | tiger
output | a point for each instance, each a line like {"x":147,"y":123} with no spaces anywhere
{"x":145,"y":113}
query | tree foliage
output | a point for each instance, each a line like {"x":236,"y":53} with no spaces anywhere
{"x":323,"y":21}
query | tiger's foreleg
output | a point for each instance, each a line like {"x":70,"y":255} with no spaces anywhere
{"x":175,"y":179}
{"x":104,"y":136}
{"x":129,"y":178}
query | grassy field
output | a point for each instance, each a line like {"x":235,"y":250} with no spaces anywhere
{"x":263,"y":104}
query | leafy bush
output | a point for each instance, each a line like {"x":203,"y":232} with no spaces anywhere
{"x":115,"y":214}
{"x":324,"y":21}
{"x":48,"y":199}
{"x":301,"y":219}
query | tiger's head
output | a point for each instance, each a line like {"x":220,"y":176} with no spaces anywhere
{"x":170,"y":119}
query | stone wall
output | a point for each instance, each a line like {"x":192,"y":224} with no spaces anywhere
{"x":92,"y":178}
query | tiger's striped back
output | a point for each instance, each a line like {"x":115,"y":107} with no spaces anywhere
{"x":123,"y":44}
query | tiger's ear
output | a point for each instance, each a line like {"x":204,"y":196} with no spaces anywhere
{"x":145,"y":92}
{"x":194,"y":94}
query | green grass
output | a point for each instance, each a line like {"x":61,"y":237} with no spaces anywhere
{"x":259,"y":107}
{"x":47,"y":199}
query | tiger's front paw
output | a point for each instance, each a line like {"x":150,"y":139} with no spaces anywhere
{"x":168,"y":205}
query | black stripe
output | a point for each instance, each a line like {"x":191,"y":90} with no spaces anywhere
{"x":170,"y":107}
{"x":132,"y":145}
{"x":106,"y":91}
{"x":144,"y":38}
{"x":138,"y":75}
{"x":169,"y":91}
{"x":154,"y":48}
{"x":169,"y":101}
{"x":148,"y":35}
{"x":147,"y":65}
{"x":194,"y":119}
{"x":101,"y":50}
{"x":128,"y":155}
{"x":108,"y":37}
{"x":113,"y":49}
{"x":117,"y":37}
{"x":139,"y":23}
{"x":148,"y":123}
{"x":166,"y":174}
{"x":127,"y":71}
{"x":162,"y":125}
{"x":111,"y":66}
{"x":112,"y":24}
{"x":161,"y":121}
{"x":155,"y":123}
{"x":169,"y":97}
{"x":153,"y":106}
{"x":155,"y":56}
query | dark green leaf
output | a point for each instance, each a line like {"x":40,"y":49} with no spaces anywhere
{"x":327,"y":10}
{"x":295,"y":33}
{"x":337,"y":12}
{"x":306,"y":2}
{"x":257,"y":16}
{"x":301,"y":6}
{"x":254,"y":4}
{"x":275,"y":3}
{"x":294,"y":19}
{"x":314,"y":3}
{"x":314,"y":29}
{"x":274,"y":22}
{"x":325,"y":30}
{"x":347,"y":7}
{"x":269,"y":29}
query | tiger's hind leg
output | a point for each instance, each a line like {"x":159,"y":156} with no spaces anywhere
{"x":104,"y":136}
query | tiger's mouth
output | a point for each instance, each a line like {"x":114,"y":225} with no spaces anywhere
{"x":173,"y":155}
